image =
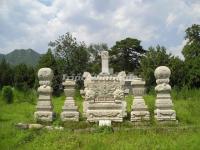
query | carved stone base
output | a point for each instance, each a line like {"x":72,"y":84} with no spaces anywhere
{"x":140,"y":116}
{"x":70,"y":112}
{"x":96,"y":115}
{"x":70,"y":116}
{"x":44,"y":116}
{"x":139,"y":111}
{"x":165,"y":116}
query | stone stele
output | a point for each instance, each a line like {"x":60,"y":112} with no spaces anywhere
{"x":164,"y":112}
{"x":44,"y":106}
{"x":70,"y":111}
{"x":104,"y":63}
{"x":139,"y":111}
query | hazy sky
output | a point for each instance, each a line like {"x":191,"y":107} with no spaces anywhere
{"x":33,"y":23}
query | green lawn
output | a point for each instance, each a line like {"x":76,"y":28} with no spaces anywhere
{"x":186,"y":135}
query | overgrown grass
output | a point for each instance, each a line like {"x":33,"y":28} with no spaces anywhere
{"x":184,"y":136}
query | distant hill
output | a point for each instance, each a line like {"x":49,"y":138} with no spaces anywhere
{"x":18,"y":56}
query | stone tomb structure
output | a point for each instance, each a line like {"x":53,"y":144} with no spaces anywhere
{"x":69,"y":110}
{"x":139,"y":111}
{"x":104,"y":98}
{"x":44,"y":106}
{"x":164,"y":112}
{"x":104,"y":95}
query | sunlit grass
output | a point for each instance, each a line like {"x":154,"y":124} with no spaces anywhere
{"x":150,"y":137}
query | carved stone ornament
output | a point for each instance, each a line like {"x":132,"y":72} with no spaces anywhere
{"x":44,"y":106}
{"x":164,"y":107}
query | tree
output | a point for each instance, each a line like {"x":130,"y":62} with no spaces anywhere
{"x":24,"y":77}
{"x":6,"y":74}
{"x":191,"y":52}
{"x":150,"y":61}
{"x":73,"y":56}
{"x":126,"y":55}
{"x":48,"y":60}
{"x":7,"y":94}
{"x":178,"y":72}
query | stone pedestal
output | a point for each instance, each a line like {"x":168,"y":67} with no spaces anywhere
{"x":70,"y":111}
{"x":44,"y":106}
{"x":139,"y":111}
{"x":164,"y":112}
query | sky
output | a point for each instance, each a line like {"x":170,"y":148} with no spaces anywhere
{"x":34,"y":23}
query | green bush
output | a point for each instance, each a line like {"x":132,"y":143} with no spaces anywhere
{"x":7,"y":94}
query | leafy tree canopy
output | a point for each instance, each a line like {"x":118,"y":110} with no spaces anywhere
{"x":73,"y":56}
{"x":126,"y":54}
{"x":191,"y":52}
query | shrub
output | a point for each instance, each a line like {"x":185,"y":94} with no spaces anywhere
{"x":7,"y":94}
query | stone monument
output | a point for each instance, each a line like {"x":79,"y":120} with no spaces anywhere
{"x":104,"y":63}
{"x":164,"y":107}
{"x":44,"y":106}
{"x":104,"y":95}
{"x":139,"y":111}
{"x":70,"y":111}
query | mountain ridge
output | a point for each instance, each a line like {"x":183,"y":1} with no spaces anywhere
{"x":18,"y":56}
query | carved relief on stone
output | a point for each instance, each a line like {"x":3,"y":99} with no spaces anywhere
{"x":105,"y":93}
{"x":90,"y":95}
{"x":118,"y":94}
{"x":104,"y":55}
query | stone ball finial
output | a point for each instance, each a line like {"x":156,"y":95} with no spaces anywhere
{"x":45,"y":76}
{"x":162,"y":72}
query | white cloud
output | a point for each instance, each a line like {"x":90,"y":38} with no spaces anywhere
{"x":33,"y":23}
{"x":177,"y":50}
{"x":170,"y":19}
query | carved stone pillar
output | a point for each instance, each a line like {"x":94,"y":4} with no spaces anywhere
{"x":44,"y":106}
{"x":70,"y":111}
{"x":139,"y":111}
{"x":104,"y":63}
{"x":164,"y":107}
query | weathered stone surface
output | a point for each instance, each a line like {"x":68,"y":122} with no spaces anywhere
{"x":70,"y":111}
{"x":58,"y":128}
{"x":22,"y":125}
{"x":104,"y":98}
{"x":164,"y":107}
{"x":35,"y":126}
{"x":48,"y":127}
{"x":105,"y":123}
{"x":105,"y":63}
{"x":44,"y":106}
{"x":139,"y":111}
{"x":104,"y":94}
